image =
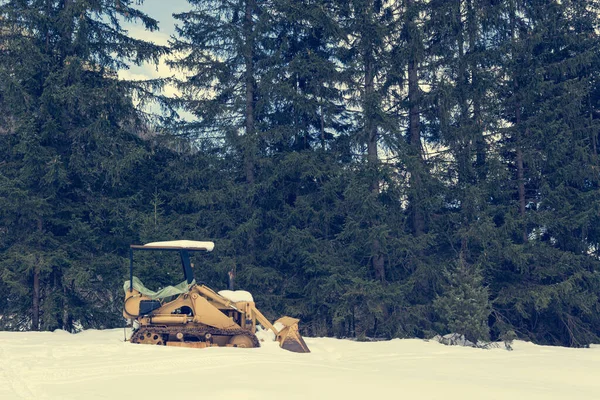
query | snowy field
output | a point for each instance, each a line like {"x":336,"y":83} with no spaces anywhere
{"x":99,"y":365}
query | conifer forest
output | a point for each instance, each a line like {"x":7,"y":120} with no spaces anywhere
{"x":376,"y":168}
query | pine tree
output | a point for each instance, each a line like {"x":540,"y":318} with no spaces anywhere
{"x":374,"y":168}
{"x":220,"y":54}
{"x":71,"y":138}
{"x":301,"y":77}
{"x":462,"y":71}
{"x":367,"y":26}
{"x":550,"y":59}
{"x":465,"y":306}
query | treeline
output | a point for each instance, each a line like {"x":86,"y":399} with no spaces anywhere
{"x":376,"y":168}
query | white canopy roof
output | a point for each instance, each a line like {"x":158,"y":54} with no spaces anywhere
{"x":183,"y":244}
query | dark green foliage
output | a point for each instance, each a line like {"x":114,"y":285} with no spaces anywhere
{"x":464,"y":306}
{"x":377,"y":169}
{"x":68,"y":146}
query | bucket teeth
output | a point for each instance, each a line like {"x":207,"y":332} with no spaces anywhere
{"x":289,"y":337}
{"x":297,"y":344}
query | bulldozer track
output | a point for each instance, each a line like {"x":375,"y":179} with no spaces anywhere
{"x":195,"y":332}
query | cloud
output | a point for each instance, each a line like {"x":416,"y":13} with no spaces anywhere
{"x":147,"y":70}
{"x":156,"y":37}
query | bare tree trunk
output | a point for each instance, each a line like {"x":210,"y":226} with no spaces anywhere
{"x":519,"y":150}
{"x":249,"y":139}
{"x":595,"y":146}
{"x":414,"y":134}
{"x":370,"y":125}
{"x":520,"y":168}
{"x":480,"y":145}
{"x":378,"y":261}
{"x":35,"y":301}
{"x":249,"y":148}
{"x":521,"y":188}
{"x":66,"y":323}
{"x":47,"y":30}
{"x":593,"y":134}
{"x":67,"y":32}
{"x":322,"y":133}
{"x":61,"y":286}
{"x":35,"y":304}
{"x":464,"y":151}
{"x":377,"y":258}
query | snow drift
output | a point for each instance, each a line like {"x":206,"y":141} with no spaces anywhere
{"x":99,"y":365}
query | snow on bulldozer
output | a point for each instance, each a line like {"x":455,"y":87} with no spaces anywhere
{"x":191,"y":314}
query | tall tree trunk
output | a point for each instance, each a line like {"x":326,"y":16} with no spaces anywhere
{"x":66,"y":37}
{"x":464,"y":147}
{"x":47,"y":30}
{"x":35,"y":303}
{"x":369,"y":106}
{"x":593,"y":134}
{"x":414,"y":131}
{"x":480,"y":145}
{"x":370,"y":124}
{"x":322,"y":126}
{"x":377,"y":260}
{"x":249,"y":140}
{"x":66,"y":317}
{"x":60,"y":287}
{"x":250,"y":147}
{"x":520,"y":166}
{"x":521,"y":182}
{"x":519,"y":151}
{"x":595,"y":145}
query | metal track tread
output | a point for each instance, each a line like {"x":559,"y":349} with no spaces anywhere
{"x":197,"y":332}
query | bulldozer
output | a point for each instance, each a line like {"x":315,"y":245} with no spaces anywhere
{"x":191,"y":314}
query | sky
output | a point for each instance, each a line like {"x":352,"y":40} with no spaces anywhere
{"x":162,"y":11}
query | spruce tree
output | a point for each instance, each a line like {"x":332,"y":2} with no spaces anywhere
{"x":71,"y":139}
{"x":218,"y":47}
{"x":550,"y":69}
{"x":465,"y":307}
{"x":462,"y":70}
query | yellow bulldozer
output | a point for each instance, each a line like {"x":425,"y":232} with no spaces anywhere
{"x":191,"y":314}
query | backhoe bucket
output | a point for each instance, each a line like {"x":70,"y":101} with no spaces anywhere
{"x":289,"y":337}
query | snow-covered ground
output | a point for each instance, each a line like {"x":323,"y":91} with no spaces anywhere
{"x":99,"y":365}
